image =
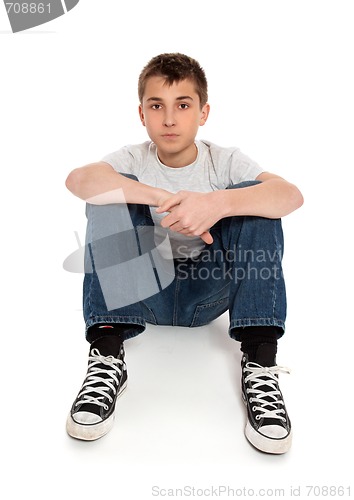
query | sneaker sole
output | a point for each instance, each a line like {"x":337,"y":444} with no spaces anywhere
{"x":94,"y":431}
{"x":265,"y":444}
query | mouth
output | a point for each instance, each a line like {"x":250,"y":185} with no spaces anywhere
{"x":170,"y":136}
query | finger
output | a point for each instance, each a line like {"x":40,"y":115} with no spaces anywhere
{"x":183,"y":230}
{"x":169,"y":220}
{"x":168,"y":204}
{"x":179,"y":228}
{"x":207,"y":238}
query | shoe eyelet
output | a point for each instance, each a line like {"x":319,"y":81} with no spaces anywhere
{"x":254,"y":408}
{"x":106,"y":407}
{"x":257,"y":417}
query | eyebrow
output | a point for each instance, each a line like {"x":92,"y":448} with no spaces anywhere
{"x":180,"y":98}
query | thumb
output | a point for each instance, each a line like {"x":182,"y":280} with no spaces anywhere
{"x":207,"y":237}
{"x":168,"y":204}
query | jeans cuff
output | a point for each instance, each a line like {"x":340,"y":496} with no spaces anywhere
{"x":237,"y":324}
{"x":135,"y":325}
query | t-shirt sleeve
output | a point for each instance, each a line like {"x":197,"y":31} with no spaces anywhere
{"x":231,"y":166}
{"x":122,"y":161}
{"x":243,"y":168}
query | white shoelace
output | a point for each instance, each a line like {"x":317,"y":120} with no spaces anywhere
{"x":94,"y":375}
{"x":265,"y":376}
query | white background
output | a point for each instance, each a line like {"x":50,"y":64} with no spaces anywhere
{"x":281,"y":88}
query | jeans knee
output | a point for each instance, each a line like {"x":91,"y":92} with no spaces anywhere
{"x":130,"y":176}
{"x":243,"y":184}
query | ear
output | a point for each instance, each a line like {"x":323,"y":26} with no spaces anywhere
{"x":204,"y":114}
{"x":141,"y":114}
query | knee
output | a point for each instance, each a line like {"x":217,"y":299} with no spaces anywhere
{"x":243,"y":184}
{"x":254,"y":227}
{"x":130,"y":176}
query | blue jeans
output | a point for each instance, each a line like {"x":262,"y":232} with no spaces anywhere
{"x":239,"y":272}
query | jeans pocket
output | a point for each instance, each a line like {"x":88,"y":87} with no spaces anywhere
{"x":205,"y":313}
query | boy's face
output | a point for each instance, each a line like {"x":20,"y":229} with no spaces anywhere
{"x":172,"y":116}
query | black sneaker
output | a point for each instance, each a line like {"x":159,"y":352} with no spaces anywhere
{"x":268,"y":426}
{"x":92,"y":413}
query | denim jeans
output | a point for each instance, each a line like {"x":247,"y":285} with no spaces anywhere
{"x":239,"y":272}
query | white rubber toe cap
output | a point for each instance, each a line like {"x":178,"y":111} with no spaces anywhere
{"x":273,"y":431}
{"x":85,"y":417}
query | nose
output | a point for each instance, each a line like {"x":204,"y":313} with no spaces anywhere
{"x":169,"y":118}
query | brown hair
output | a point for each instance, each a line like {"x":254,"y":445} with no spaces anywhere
{"x":175,"y":67}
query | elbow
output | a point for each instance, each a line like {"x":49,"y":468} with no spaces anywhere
{"x":74,"y":181}
{"x":296,"y":200}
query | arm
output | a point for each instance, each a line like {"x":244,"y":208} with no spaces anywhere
{"x":273,"y":198}
{"x":99,"y":184}
{"x":194,"y":214}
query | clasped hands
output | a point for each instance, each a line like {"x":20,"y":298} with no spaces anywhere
{"x":190,"y":213}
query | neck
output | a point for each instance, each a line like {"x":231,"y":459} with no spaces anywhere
{"x":180,"y":159}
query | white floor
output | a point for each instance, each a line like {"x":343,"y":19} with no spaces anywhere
{"x":179,"y":424}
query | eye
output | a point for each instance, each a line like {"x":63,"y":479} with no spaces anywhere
{"x":156,"y":106}
{"x":183,"y":105}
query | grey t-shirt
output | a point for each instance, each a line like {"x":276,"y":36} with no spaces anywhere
{"x":214,"y":168}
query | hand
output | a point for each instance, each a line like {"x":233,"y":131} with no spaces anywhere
{"x":162,"y":195}
{"x":191,"y":213}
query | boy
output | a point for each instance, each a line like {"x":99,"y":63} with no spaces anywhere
{"x":179,"y":231}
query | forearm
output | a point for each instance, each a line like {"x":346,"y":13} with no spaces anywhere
{"x":273,"y":199}
{"x":99,"y":184}
{"x":194,"y":213}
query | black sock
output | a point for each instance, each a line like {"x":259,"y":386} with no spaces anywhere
{"x":253,"y":336}
{"x":108,"y":345}
{"x":107,"y":338}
